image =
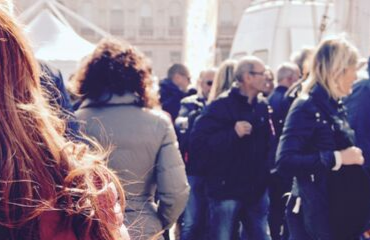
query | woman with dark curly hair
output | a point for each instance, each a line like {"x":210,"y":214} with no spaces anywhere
{"x":113,"y":84}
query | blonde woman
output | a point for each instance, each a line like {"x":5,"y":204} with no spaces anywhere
{"x":50,"y":187}
{"x":223,"y":80}
{"x":317,"y":147}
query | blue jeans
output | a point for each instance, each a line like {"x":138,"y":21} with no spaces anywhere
{"x":225,"y":215}
{"x":194,"y":217}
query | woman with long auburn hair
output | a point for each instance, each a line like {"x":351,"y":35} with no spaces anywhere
{"x":50,"y":187}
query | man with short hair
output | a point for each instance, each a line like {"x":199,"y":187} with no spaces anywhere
{"x":174,"y":88}
{"x":194,"y":217}
{"x":287,"y":75}
{"x":232,"y":138}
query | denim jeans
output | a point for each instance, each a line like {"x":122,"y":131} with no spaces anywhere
{"x":193,"y":225}
{"x":225,"y":216}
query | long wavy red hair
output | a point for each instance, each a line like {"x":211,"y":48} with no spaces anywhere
{"x":41,"y":170}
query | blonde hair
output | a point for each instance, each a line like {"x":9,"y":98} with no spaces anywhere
{"x":225,"y":76}
{"x":330,"y":61}
{"x":41,"y":170}
{"x":302,"y":59}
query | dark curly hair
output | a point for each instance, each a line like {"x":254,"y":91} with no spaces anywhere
{"x":114,"y":68}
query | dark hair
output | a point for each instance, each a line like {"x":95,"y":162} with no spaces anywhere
{"x":114,"y":68}
{"x":178,"y":68}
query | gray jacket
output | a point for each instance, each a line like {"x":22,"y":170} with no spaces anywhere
{"x":146,"y":158}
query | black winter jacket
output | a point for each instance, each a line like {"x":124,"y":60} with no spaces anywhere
{"x":359,"y":116}
{"x":171,"y":96}
{"x":235,"y":168}
{"x":335,"y":203}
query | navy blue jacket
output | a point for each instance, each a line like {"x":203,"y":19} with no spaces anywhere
{"x":333,"y":202}
{"x":278,"y":103}
{"x":171,"y":96}
{"x":52,"y":81}
{"x":234,"y":168}
{"x":358,"y":105}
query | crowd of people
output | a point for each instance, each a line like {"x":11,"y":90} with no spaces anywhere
{"x":246,"y":154}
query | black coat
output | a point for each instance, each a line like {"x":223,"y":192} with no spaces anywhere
{"x":280,"y":106}
{"x":171,"y":96}
{"x":235,"y":168}
{"x":315,"y":127}
{"x":359,"y":116}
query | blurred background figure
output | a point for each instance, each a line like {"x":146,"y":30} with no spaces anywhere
{"x":270,"y":82}
{"x":359,"y":115}
{"x":287,"y":75}
{"x":193,"y":218}
{"x":191,"y":107}
{"x":224,"y":79}
{"x":174,"y":88}
{"x":117,"y":108}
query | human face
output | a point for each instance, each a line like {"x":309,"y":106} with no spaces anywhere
{"x":269,"y":83}
{"x":258,"y":77}
{"x":206,"y":83}
{"x":346,"y":81}
{"x":182,"y":81}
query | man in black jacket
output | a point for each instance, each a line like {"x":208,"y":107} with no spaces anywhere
{"x":194,"y":216}
{"x":359,"y":116}
{"x":287,"y":75}
{"x":232,"y":138}
{"x":174,"y":88}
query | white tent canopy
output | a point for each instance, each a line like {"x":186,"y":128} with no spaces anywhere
{"x":57,"y":43}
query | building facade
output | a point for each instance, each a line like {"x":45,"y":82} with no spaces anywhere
{"x":156,"y":27}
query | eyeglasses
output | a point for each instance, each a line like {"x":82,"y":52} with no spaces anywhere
{"x":209,"y":82}
{"x":186,"y":76}
{"x":258,"y":73}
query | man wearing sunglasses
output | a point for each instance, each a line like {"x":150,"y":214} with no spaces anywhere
{"x":194,"y":216}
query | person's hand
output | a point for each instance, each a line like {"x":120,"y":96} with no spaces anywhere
{"x":352,"y":156}
{"x":243,"y":128}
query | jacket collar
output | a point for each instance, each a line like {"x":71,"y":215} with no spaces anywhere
{"x":113,"y":99}
{"x":280,"y":88}
{"x":319,"y":93}
{"x":168,"y":83}
{"x":235,"y":92}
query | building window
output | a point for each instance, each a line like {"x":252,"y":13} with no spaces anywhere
{"x":263,"y":54}
{"x":175,"y":19}
{"x":226,"y":13}
{"x":116,"y":22}
{"x":146,"y":20}
{"x":87,"y":12}
{"x":148,"y":54}
{"x":175,"y":57}
{"x":225,"y":54}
